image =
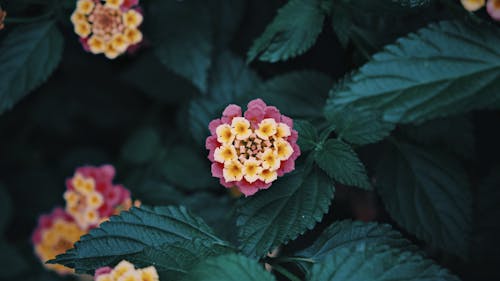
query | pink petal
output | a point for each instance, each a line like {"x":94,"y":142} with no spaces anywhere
{"x":272,"y":112}
{"x":296,"y":151}
{"x":101,"y":271}
{"x":84,"y":43}
{"x":212,"y":126}
{"x":211,"y":143}
{"x":294,"y":135}
{"x":225,"y":183}
{"x":217,"y":170}
{"x":232,"y":111}
{"x":287,"y":120}
{"x":254,"y":115}
{"x":257,"y":103}
{"x":493,"y":9}
{"x":247,"y":188}
{"x":107,"y":172}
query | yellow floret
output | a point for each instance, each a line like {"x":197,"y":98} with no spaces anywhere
{"x":77,"y":17}
{"x":132,"y":275}
{"x":233,"y":171}
{"x":132,"y":19}
{"x":72,"y":198}
{"x":267,"y":128}
{"x":133,"y":35}
{"x":104,"y":277}
{"x":225,"y":153}
{"x":149,"y":274}
{"x":114,"y":3}
{"x":83,"y":29}
{"x":252,"y":169}
{"x":241,"y":128}
{"x":85,"y":6}
{"x":283,"y":131}
{"x":120,"y":43}
{"x":94,"y":200}
{"x":268,"y":176}
{"x":283,"y":149}
{"x":270,"y":160}
{"x":96,"y":45}
{"x":224,"y":134}
{"x":473,"y":5}
{"x":110,"y":52}
{"x":121,"y":269}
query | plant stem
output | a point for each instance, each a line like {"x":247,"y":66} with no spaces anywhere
{"x":294,"y":259}
{"x":286,"y":273}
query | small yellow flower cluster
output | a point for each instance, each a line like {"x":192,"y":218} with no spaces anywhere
{"x":107,"y":28}
{"x":125,"y":271}
{"x":84,"y":201}
{"x":252,"y":154}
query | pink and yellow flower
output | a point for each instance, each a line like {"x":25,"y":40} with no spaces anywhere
{"x":110,"y":27}
{"x":91,"y":197}
{"x":125,"y":271}
{"x":253,"y":149}
{"x":55,"y":233}
{"x":472,"y":5}
{"x":493,"y":8}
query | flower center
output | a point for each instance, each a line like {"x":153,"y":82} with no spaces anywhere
{"x":106,"y":21}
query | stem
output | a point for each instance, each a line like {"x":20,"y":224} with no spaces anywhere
{"x":294,"y":259}
{"x":286,"y":273}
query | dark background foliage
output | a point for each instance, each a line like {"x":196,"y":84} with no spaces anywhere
{"x":137,"y":114}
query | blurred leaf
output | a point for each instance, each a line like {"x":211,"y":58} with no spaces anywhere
{"x":428,"y":194}
{"x":131,"y":233}
{"x":229,"y":268}
{"x":230,"y":80}
{"x":28,"y":55}
{"x":455,"y":134}
{"x":341,"y":163}
{"x":308,"y":136}
{"x":12,"y":263}
{"x":5,"y":208}
{"x":377,"y":262}
{"x":298,"y":94}
{"x":149,"y":76}
{"x":358,"y":127}
{"x":182,"y":163}
{"x":227,"y":17}
{"x":182,"y":35}
{"x":292,"y":205}
{"x":292,"y":32}
{"x":427,"y":74}
{"x":142,"y":146}
{"x":347,"y":234}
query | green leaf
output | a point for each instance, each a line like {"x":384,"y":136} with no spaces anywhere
{"x":188,"y":50}
{"x":142,"y":146}
{"x":377,"y":262}
{"x":131,"y":233}
{"x":28,"y":55}
{"x":308,"y":136}
{"x":230,"y":80}
{"x":359,"y":127}
{"x":292,"y":205}
{"x":229,"y":268}
{"x":341,"y":163}
{"x":181,"y":163}
{"x":413,"y":3}
{"x":5,"y":208}
{"x":148,"y":75}
{"x":347,"y":233}
{"x":427,"y":75}
{"x":292,"y":32}
{"x":454,"y":134}
{"x":428,"y":194}
{"x":299,"y":94}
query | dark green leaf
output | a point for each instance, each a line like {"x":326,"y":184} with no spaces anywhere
{"x":347,"y":233}
{"x":292,"y":205}
{"x":230,"y":80}
{"x":427,"y":74}
{"x":28,"y":56}
{"x":428,"y":194}
{"x":341,"y":163}
{"x":299,"y":94}
{"x":142,"y":146}
{"x":131,"y":233}
{"x":308,"y":136}
{"x":183,"y":38}
{"x":359,"y":127}
{"x":292,"y":32}
{"x":229,"y":268}
{"x":377,"y":262}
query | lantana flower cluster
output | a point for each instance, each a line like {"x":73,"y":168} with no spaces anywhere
{"x":492,"y":7}
{"x":110,"y":27}
{"x":251,"y":150}
{"x":91,"y":198}
{"x":125,"y":271}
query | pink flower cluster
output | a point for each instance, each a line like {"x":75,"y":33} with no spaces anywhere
{"x":91,"y":198}
{"x":251,"y":150}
